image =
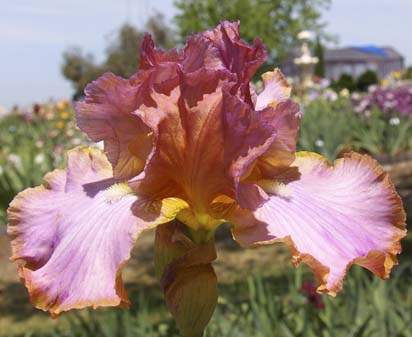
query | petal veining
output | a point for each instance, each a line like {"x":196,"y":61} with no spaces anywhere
{"x":331,"y":217}
{"x":74,"y":235}
{"x":105,"y":115}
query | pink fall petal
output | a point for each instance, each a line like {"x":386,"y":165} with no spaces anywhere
{"x":74,"y":234}
{"x":331,"y":217}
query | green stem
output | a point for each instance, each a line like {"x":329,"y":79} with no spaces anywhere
{"x":201,"y":236}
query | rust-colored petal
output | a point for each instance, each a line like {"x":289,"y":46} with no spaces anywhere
{"x":105,"y":115}
{"x":151,"y":57}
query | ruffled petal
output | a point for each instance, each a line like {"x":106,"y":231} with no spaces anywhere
{"x":222,"y":49}
{"x":248,"y":135}
{"x":238,"y":56}
{"x":187,"y":158}
{"x":205,"y":139}
{"x":199,"y":53}
{"x":276,"y":89}
{"x":331,"y":217}
{"x":151,"y":57}
{"x":75,"y":233}
{"x":269,"y":139}
{"x":105,"y":115}
{"x":285,"y":119}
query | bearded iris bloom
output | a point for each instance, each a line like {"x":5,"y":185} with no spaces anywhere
{"x":187,"y":139}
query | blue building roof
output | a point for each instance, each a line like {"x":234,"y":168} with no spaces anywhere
{"x":371,"y":49}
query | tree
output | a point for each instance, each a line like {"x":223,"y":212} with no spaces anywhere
{"x":80,"y":69}
{"x":122,"y":54}
{"x":366,"y":79}
{"x":319,"y":53}
{"x":161,"y":32}
{"x":408,"y":73}
{"x":277,"y":23}
{"x":345,"y":81}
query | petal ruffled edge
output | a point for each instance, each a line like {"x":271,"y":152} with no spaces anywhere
{"x":105,"y":114}
{"x":151,"y":57}
{"x":74,"y":234}
{"x":376,"y":261}
{"x":276,"y":89}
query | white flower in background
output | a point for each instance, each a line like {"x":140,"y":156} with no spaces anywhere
{"x":39,"y":158}
{"x":1,"y":170}
{"x":394,"y":121}
{"x":372,"y":88}
{"x":356,"y":96}
{"x":330,"y":95}
{"x":319,"y":143}
{"x":14,"y":160}
{"x":76,"y":141}
{"x":39,"y":143}
{"x":390,"y":96}
{"x":69,"y":133}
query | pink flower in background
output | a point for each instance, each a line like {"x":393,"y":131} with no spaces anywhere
{"x":186,"y":138}
{"x":396,"y":100}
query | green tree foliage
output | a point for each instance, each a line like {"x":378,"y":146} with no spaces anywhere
{"x":345,"y":81}
{"x":408,"y":73}
{"x":122,"y":55}
{"x":276,"y":22}
{"x":367,"y":79}
{"x":319,"y":53}
{"x":80,"y":69}
{"x":161,"y":32}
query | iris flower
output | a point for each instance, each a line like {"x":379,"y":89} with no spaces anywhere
{"x":187,"y":139}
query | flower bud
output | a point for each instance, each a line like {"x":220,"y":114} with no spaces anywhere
{"x":186,"y":276}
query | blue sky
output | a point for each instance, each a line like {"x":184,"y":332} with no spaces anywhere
{"x":34,"y":34}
